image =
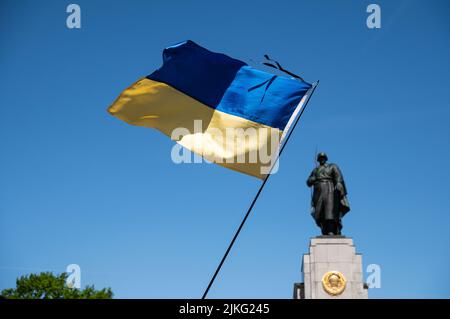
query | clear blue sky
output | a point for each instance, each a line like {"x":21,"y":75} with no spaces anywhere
{"x":79,"y":186}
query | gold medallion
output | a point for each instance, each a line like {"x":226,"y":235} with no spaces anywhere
{"x":333,"y":282}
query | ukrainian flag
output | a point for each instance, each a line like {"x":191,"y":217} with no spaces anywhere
{"x":211,"y":96}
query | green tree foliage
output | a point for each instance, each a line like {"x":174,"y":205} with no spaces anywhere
{"x":46,"y":285}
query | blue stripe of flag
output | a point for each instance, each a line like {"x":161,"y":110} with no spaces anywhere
{"x":230,"y":85}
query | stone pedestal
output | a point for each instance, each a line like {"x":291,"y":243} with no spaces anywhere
{"x":331,"y":270}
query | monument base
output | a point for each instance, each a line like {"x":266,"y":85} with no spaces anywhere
{"x":331,"y":270}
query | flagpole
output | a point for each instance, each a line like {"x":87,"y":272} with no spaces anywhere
{"x":309,"y":93}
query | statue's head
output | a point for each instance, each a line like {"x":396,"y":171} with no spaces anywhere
{"x":322,"y":158}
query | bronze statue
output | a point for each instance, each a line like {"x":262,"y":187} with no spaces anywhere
{"x":329,"y":200}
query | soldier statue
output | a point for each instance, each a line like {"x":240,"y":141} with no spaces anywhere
{"x":329,"y":200}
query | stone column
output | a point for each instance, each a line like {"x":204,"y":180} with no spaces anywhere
{"x":331,"y":270}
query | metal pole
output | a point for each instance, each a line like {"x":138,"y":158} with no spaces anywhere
{"x":309,"y":94}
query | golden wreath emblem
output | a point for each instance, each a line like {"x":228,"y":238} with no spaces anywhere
{"x":334,"y":283}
